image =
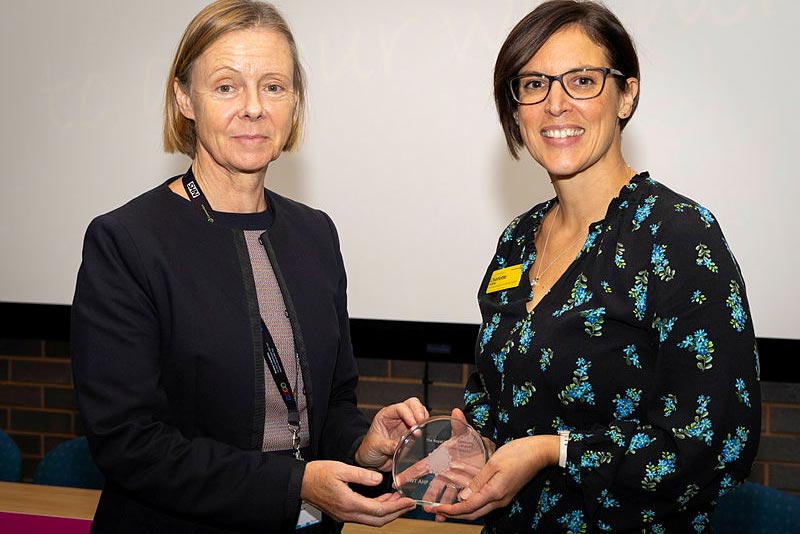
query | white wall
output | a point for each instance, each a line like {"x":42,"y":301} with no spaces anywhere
{"x":403,"y":146}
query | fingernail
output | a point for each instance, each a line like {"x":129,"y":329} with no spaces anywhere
{"x":377,"y":477}
{"x":464,"y":495}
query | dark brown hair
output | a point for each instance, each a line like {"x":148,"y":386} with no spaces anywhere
{"x":531,"y":33}
{"x":214,"y":21}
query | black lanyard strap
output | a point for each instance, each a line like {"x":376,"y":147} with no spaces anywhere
{"x":196,"y":196}
{"x":271,"y":356}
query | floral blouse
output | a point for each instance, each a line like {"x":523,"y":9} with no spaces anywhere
{"x":644,"y":350}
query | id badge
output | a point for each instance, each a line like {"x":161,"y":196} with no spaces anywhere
{"x":309,"y":515}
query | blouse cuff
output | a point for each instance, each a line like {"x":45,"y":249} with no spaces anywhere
{"x":562,"y":449}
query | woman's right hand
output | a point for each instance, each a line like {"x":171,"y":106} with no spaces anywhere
{"x":325,"y":485}
{"x":510,"y":467}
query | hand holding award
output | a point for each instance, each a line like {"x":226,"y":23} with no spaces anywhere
{"x":436,"y":459}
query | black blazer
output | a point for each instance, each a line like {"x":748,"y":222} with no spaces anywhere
{"x":169,"y":370}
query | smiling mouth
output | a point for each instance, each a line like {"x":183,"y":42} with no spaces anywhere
{"x":561,"y":134}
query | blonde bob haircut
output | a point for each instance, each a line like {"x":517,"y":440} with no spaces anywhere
{"x":214,"y":21}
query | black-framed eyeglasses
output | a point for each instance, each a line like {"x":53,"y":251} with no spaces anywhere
{"x":580,"y":84}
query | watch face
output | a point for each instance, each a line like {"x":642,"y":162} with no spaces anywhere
{"x":436,"y":459}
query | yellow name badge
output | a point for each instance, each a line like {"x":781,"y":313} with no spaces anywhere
{"x":504,"y":278}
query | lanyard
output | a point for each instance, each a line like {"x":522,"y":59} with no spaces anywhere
{"x":273,"y":359}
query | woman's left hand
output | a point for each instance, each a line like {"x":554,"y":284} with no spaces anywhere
{"x":388,"y":426}
{"x":511,"y":467}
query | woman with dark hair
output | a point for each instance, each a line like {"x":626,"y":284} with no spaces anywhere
{"x":211,"y":344}
{"x":616,"y":363}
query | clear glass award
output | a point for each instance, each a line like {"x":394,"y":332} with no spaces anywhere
{"x":436,"y":459}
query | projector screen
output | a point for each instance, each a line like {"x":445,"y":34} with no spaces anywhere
{"x":403,"y":147}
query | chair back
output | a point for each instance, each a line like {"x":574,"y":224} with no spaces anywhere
{"x":754,"y":509}
{"x":69,"y":464}
{"x":10,"y":459}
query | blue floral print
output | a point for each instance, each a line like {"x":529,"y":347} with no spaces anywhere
{"x":664,"y":327}
{"x":488,"y":330}
{"x":701,"y":346}
{"x":593,"y":321}
{"x":639,"y":295}
{"x":631,"y":356}
{"x":661,"y":264}
{"x":700,"y":427}
{"x":734,"y":302}
{"x":623,"y":353}
{"x":643,"y":211}
{"x":580,"y":389}
{"x":704,"y":258}
{"x":741,"y":392}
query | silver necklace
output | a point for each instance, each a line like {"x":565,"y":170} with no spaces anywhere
{"x":539,"y":271}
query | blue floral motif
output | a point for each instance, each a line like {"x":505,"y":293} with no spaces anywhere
{"x":480,"y":416}
{"x":528,"y":261}
{"x":626,"y":406}
{"x":545,"y":358}
{"x":698,"y":297}
{"x":502,"y":415}
{"x":643,"y":211}
{"x":594,"y":321}
{"x":579,"y":295}
{"x":734,"y":302}
{"x":664,"y":327}
{"x":606,"y":286}
{"x":654,"y":229}
{"x":473,"y":398}
{"x":606,"y":500}
{"x":615,"y":434}
{"x":619,"y":260}
{"x":700,"y":428}
{"x":670,"y":404}
{"x":639,"y":441}
{"x":499,"y":358}
{"x":639,"y":294}
{"x":592,"y":238}
{"x":522,"y":394}
{"x":655,"y":472}
{"x":580,"y":389}
{"x":741,"y":392}
{"x":691,"y":491}
{"x":488,"y":330}
{"x":516,"y":508}
{"x":525,"y":335}
{"x":727,"y":485}
{"x":705,"y":215}
{"x":593,"y":459}
{"x":704,"y":258}
{"x":631,"y":356}
{"x":732,"y":447}
{"x":501,"y":261}
{"x":509,"y":231}
{"x":658,"y":258}
{"x":701,"y":522}
{"x":573,"y":522}
{"x":547,"y":501}
{"x":701,"y":346}
{"x":758,"y":361}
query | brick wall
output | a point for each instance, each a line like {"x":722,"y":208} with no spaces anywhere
{"x":37,"y":401}
{"x":37,"y":404}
